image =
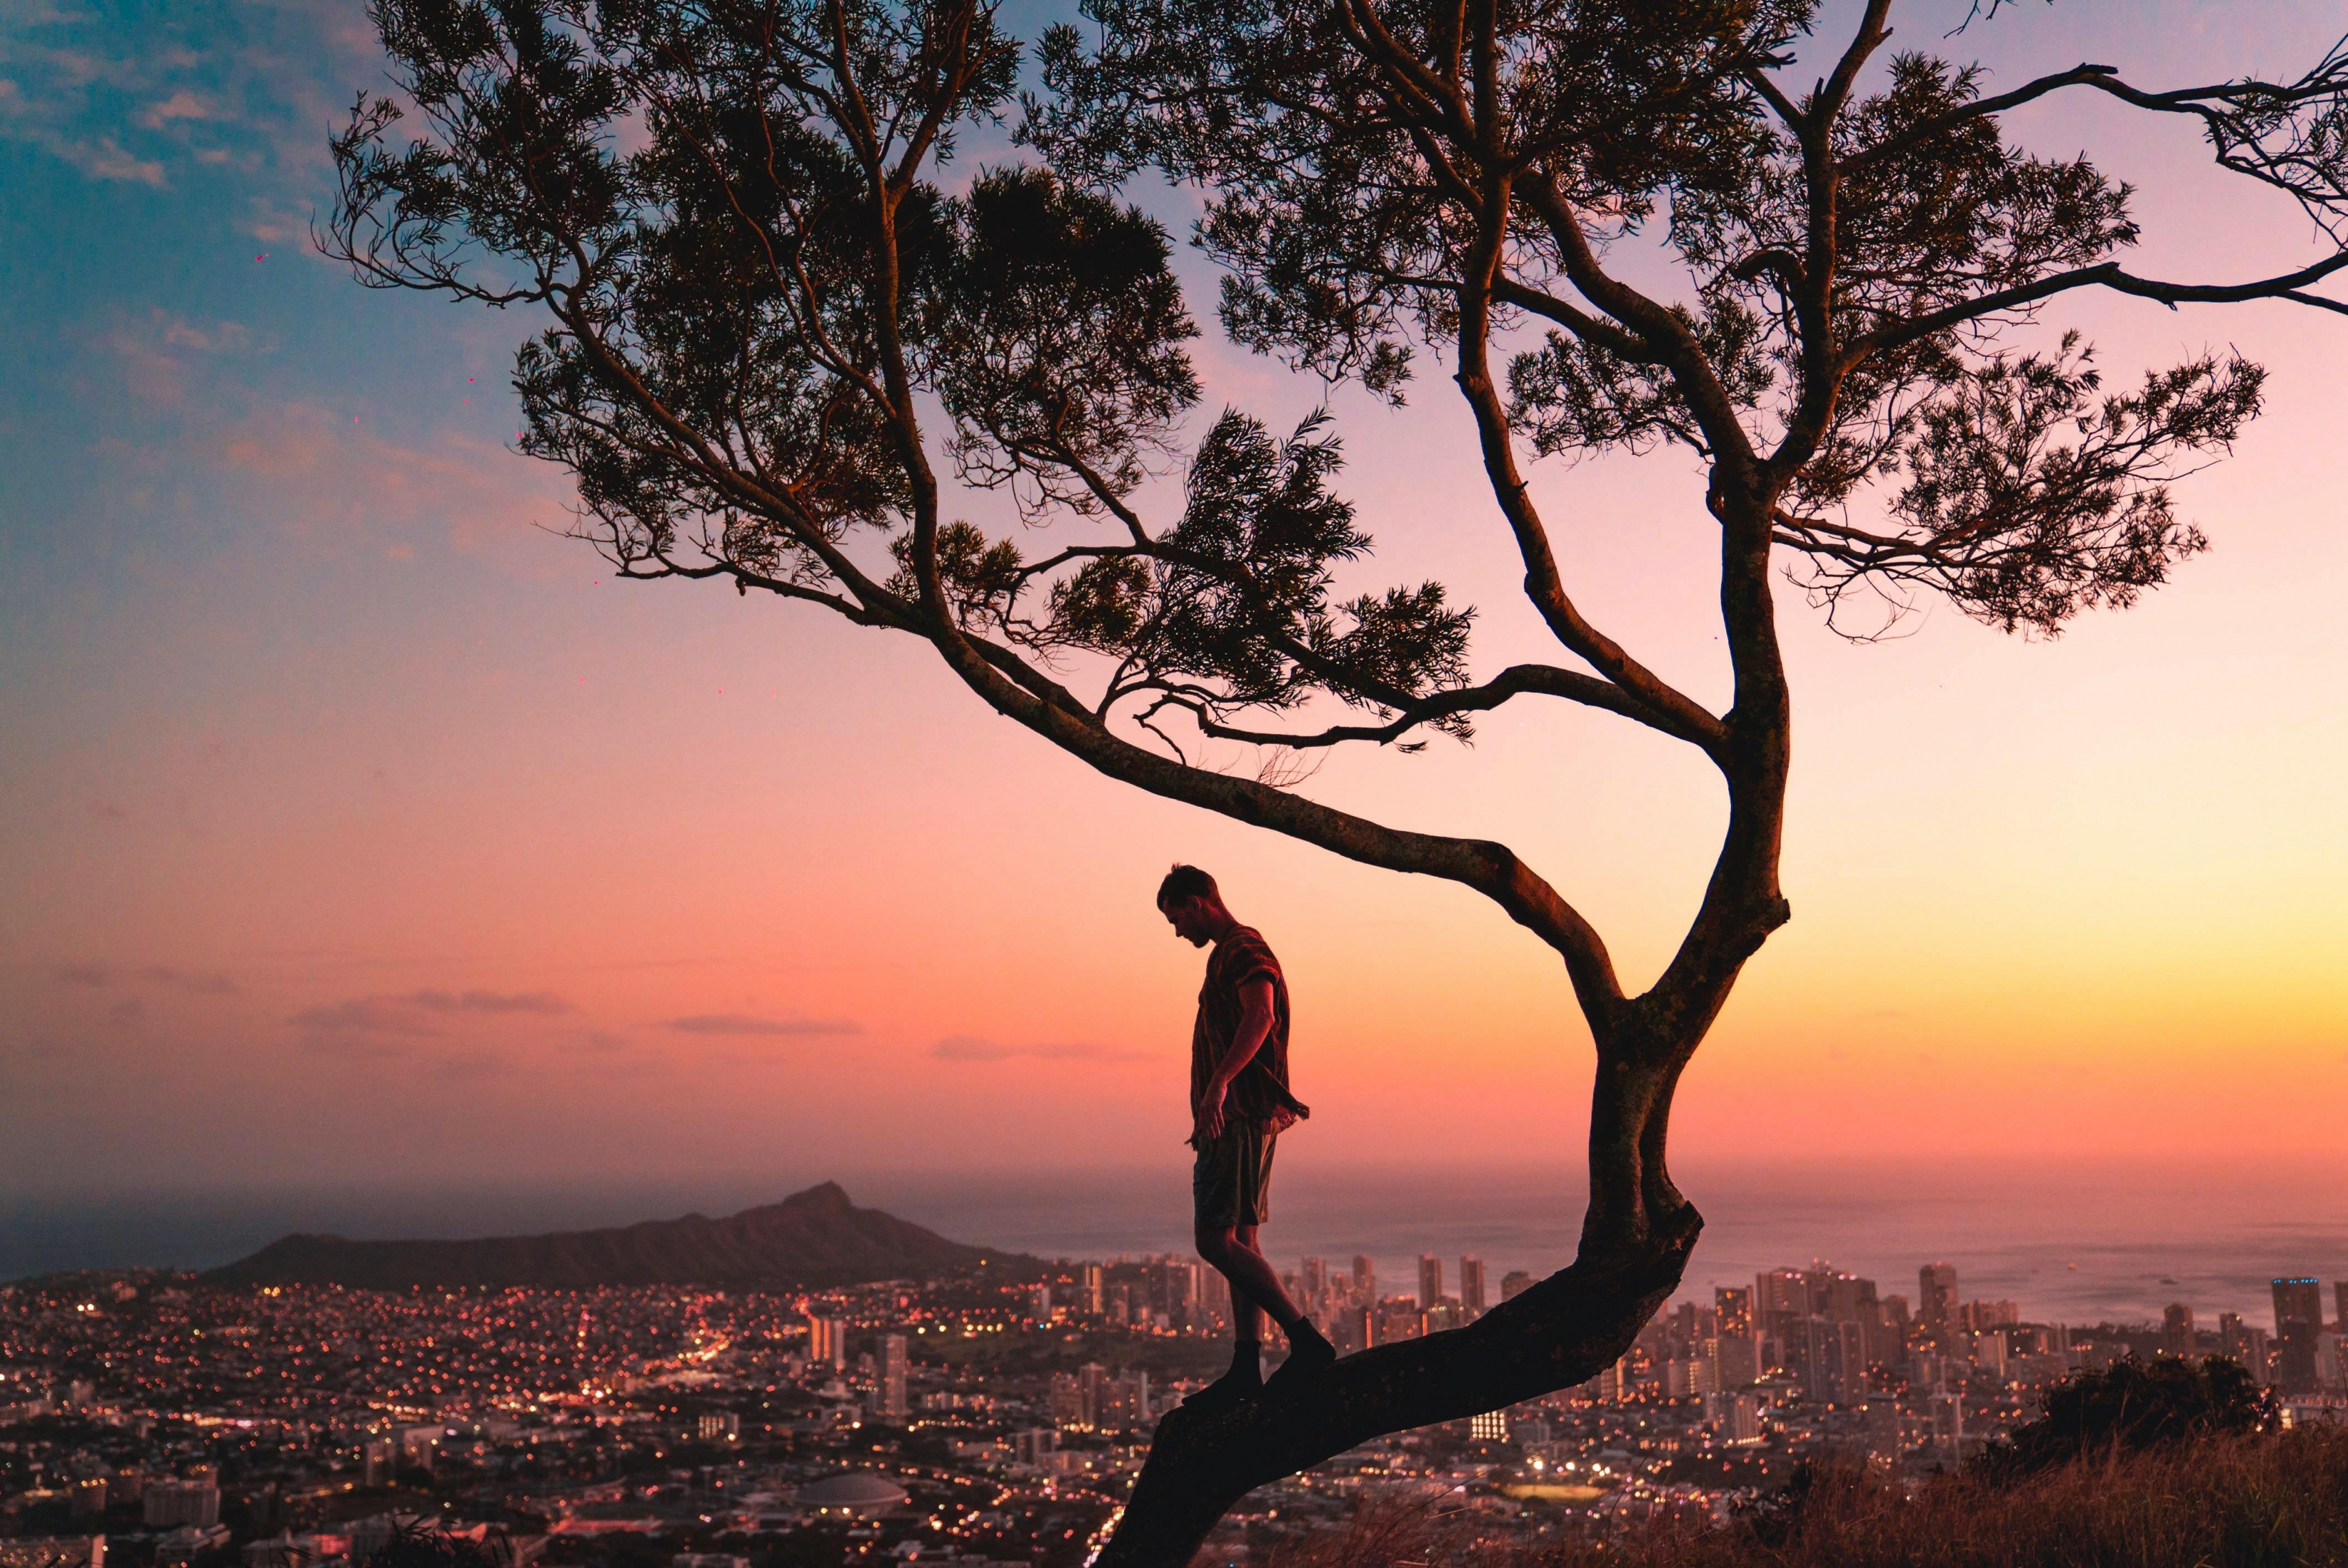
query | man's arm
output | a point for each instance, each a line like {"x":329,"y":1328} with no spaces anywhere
{"x":1255,"y":1028}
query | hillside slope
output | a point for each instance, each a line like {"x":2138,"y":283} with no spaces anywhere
{"x":809,"y":1240}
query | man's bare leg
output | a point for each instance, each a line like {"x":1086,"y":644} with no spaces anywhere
{"x":1255,"y":1285}
{"x":1256,"y":1291}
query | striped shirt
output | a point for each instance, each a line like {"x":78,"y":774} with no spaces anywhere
{"x":1260,"y":1093}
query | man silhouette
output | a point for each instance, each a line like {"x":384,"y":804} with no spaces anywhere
{"x":1239,"y":1105}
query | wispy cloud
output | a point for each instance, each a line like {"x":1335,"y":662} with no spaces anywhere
{"x":490,"y":1001}
{"x":184,"y":104}
{"x":363,"y":1015}
{"x":100,"y":159}
{"x":160,"y":354}
{"x":975,"y":1048}
{"x":414,"y":1012}
{"x":324,"y":469}
{"x":198,"y":984}
{"x":748,"y":1023}
{"x":195,"y":984}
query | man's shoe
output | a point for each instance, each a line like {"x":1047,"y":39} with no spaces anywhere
{"x":1308,"y":1354}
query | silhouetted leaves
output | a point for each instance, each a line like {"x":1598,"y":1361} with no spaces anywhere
{"x":1057,"y":332}
{"x":1353,"y":156}
{"x":2031,"y":494}
{"x":2128,"y":1407}
{"x":1235,"y":608}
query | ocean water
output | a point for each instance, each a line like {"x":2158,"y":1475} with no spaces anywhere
{"x":2076,"y":1242}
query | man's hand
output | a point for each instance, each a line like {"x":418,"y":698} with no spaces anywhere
{"x":1209,"y":1125}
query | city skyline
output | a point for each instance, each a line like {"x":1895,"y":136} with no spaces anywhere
{"x":179,"y":1418}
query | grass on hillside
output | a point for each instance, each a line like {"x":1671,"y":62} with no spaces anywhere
{"x":2271,"y":1500}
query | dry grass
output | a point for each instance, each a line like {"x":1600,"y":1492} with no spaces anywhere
{"x":2277,"y":1501}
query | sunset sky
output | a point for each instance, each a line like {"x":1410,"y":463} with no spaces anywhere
{"x":350,"y":820}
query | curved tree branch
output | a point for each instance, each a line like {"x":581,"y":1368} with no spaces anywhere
{"x":1517,"y":680}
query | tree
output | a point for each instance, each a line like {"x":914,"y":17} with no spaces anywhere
{"x":2129,"y":1407}
{"x":771,"y":330}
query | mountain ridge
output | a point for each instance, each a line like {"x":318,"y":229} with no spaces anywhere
{"x":811,"y":1240}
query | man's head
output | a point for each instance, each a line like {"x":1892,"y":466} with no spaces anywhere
{"x":1192,"y":905}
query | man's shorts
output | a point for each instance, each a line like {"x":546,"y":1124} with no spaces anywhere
{"x":1231,"y":1182}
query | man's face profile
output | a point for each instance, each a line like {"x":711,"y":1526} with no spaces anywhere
{"x":1188,"y":916}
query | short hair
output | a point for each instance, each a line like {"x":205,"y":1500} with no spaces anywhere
{"x":1187,"y":882}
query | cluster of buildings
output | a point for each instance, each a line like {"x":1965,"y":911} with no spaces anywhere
{"x":976,"y":1422}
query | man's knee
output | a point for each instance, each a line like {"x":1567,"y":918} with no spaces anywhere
{"x":1214,"y":1243}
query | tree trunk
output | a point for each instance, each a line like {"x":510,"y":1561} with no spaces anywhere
{"x":1561,"y":1332}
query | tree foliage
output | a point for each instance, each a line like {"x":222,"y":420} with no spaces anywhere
{"x":2128,"y":1407}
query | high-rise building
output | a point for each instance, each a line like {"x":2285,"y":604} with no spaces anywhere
{"x":1698,"y":1373}
{"x":1781,"y":1290}
{"x":894,"y":1367}
{"x":2256,"y":1353}
{"x":1739,"y":1359}
{"x":1316,"y":1277}
{"x":1471,"y":1285}
{"x":1885,"y":1434}
{"x":1936,"y":1301}
{"x":1948,"y":1422}
{"x":2177,"y":1337}
{"x":182,"y":1502}
{"x":1834,"y":1362}
{"x":378,"y":1461}
{"x":1065,"y":1393}
{"x":1849,"y":1298}
{"x":1514,"y":1283}
{"x":826,"y":1342}
{"x":1088,"y":1289}
{"x":1896,"y":1328}
{"x":1123,"y":1403}
{"x":1733,"y":1303}
{"x":2298,"y":1318}
{"x":1981,"y":1316}
{"x":1781,"y":1300}
{"x":1093,"y":1386}
{"x":1366,"y":1279}
{"x":2340,"y":1303}
{"x":418,"y":1444}
{"x":1430,"y":1280}
{"x":1691,"y":1323}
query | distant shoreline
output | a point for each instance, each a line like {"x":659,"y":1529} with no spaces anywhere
{"x":2218,"y":1232}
